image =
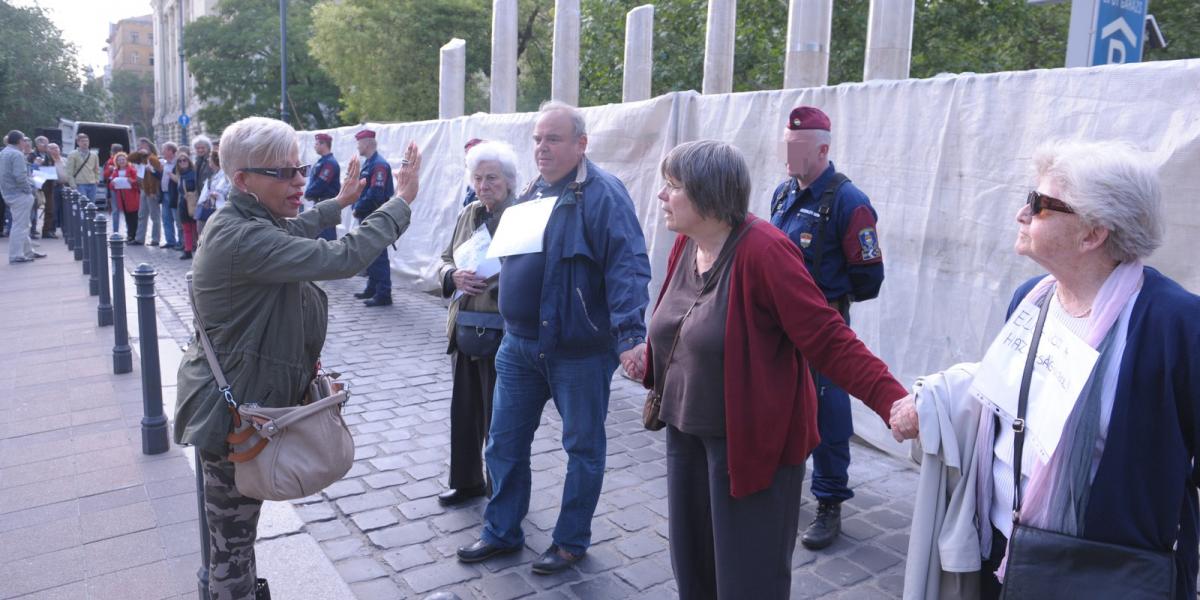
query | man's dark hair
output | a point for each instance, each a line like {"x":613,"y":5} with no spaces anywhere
{"x":14,"y":137}
{"x":116,"y":148}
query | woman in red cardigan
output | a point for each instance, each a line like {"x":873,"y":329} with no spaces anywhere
{"x":736,"y":322}
{"x":127,"y":199}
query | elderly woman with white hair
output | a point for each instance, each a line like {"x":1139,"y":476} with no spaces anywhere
{"x":1075,"y":438}
{"x":474,"y":325}
{"x":255,"y":294}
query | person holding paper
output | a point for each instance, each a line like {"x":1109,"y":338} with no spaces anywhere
{"x":44,"y":162}
{"x":474,"y":325}
{"x":573,"y":309}
{"x":150,"y":172}
{"x":1121,"y":467}
{"x":126,"y":195}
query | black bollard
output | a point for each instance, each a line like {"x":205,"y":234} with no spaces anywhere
{"x":202,"y":574}
{"x":104,"y":311}
{"x":67,"y":224}
{"x":89,"y":213}
{"x":76,"y":226}
{"x":154,"y":423}
{"x":122,"y":353}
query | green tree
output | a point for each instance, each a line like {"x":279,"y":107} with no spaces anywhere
{"x":133,"y":100}
{"x":384,"y":56}
{"x":1180,"y":24}
{"x":234,"y":56}
{"x":40,"y":80}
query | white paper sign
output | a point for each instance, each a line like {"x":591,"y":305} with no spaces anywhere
{"x":1063,"y":365}
{"x":522,"y":228}
{"x":48,"y":173}
{"x":471,"y":255}
{"x":38,"y":179}
{"x":141,"y":171}
{"x":121,"y":183}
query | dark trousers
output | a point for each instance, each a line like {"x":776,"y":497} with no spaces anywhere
{"x":379,"y":277}
{"x":48,"y":213}
{"x":721,"y":546}
{"x":232,"y":529}
{"x":835,"y":422}
{"x":470,"y":417}
{"x":989,"y":586}
{"x":131,"y":222}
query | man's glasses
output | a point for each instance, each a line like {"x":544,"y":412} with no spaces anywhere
{"x":284,"y":173}
{"x":1038,"y":202}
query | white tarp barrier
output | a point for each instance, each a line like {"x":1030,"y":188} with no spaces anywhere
{"x":946,"y":162}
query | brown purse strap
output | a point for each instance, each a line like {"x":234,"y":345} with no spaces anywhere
{"x":211,"y":355}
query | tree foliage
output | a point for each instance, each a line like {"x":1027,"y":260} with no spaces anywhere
{"x":234,"y":56}
{"x":40,"y":80}
{"x":133,"y":100}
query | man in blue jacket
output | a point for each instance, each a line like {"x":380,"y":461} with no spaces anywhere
{"x":571,"y":311}
{"x":324,"y":178}
{"x":378,"y":175}
{"x":833,"y":224}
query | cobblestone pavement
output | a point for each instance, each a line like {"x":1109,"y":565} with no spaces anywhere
{"x":389,"y":538}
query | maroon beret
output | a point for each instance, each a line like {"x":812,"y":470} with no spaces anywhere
{"x":807,"y":117}
{"x":471,"y":143}
{"x":364,"y":134}
{"x":324,"y":137}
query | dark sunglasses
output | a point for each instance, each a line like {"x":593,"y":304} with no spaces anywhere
{"x":284,"y":173}
{"x":1038,"y":202}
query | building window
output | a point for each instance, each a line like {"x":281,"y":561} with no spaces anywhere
{"x":137,"y":57}
{"x":133,"y":36}
{"x":152,"y":61}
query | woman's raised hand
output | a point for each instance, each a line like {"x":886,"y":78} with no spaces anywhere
{"x":407,"y":176}
{"x":352,"y":185}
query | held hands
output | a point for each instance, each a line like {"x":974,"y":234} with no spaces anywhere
{"x":407,"y":183}
{"x":904,"y":419}
{"x":352,"y":185}
{"x":633,"y":361}
{"x":466,"y":281}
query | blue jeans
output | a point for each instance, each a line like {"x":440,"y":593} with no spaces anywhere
{"x":379,"y":277}
{"x":87,"y":190}
{"x":168,"y":219}
{"x":580,"y":387}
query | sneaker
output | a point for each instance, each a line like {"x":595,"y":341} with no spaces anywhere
{"x":825,"y":527}
{"x":36,"y":254}
{"x":19,"y":259}
{"x":185,"y":256}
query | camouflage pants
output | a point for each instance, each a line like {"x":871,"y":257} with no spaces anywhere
{"x":232,"y":528}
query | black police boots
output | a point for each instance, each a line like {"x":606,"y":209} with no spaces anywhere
{"x":825,"y":527}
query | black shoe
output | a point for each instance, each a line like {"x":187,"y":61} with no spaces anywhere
{"x":49,"y":236}
{"x":553,"y":561}
{"x":825,"y":527}
{"x":458,"y":496}
{"x":385,"y":301}
{"x":185,"y":256}
{"x":33,"y":235}
{"x":481,"y":550}
{"x":262,"y":591}
{"x":364,"y":295}
{"x":135,"y":243}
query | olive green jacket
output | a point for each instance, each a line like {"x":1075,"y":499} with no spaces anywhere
{"x":253,"y":278}
{"x":472,"y":216}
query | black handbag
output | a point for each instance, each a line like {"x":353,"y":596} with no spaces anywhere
{"x":1048,"y":564}
{"x":478,"y":334}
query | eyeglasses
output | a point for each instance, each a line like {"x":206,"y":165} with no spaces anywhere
{"x":284,"y":173}
{"x":1038,"y":202}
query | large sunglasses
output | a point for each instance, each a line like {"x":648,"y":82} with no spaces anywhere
{"x":284,"y":173}
{"x":1038,"y":202}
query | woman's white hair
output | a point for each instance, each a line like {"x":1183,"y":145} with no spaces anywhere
{"x":499,"y":152}
{"x":1110,"y":185}
{"x":202,"y":140}
{"x":257,"y":142}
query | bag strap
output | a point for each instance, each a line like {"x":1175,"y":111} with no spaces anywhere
{"x":659,"y":381}
{"x":825,"y":209}
{"x":1023,"y":401}
{"x":211,"y":355}
{"x":85,"y":163}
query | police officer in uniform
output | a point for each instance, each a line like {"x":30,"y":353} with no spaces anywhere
{"x":324,"y":179}
{"x":378,"y":175}
{"x":833,"y":223}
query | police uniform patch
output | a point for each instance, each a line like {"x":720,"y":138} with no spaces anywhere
{"x":379,"y":177}
{"x":869,"y":243}
{"x":805,"y":239}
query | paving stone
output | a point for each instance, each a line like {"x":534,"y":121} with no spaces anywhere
{"x":886,"y":519}
{"x":346,"y":547}
{"x":641,"y":544}
{"x":421,"y":489}
{"x":457,"y":520}
{"x":310,"y":513}
{"x":507,"y":587}
{"x":643,"y":574}
{"x":368,"y":501}
{"x":435,"y":576}
{"x":420,"y":509}
{"x":872,"y":559}
{"x":401,"y":535}
{"x":840,"y":571}
{"x":117,"y":521}
{"x":343,"y":488}
{"x":407,"y":557}
{"x":325,"y":530}
{"x":603,"y":587}
{"x":360,"y":569}
{"x":375,"y":519}
{"x":858,"y":529}
{"x":634,"y":518}
{"x":806,"y":584}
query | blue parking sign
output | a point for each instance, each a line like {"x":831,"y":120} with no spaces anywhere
{"x":1120,"y":31}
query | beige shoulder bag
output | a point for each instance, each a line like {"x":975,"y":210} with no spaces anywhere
{"x":289,"y":452}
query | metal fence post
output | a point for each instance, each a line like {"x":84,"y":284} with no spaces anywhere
{"x":104,"y":311}
{"x":89,"y":213}
{"x":154,"y":423}
{"x":122,"y":353}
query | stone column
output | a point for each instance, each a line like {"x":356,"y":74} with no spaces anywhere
{"x":807,"y":60}
{"x":504,"y":56}
{"x":564,"y":85}
{"x":889,"y":40}
{"x":718,"y":47}
{"x":639,"y":53}
{"x":452,"y":78}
